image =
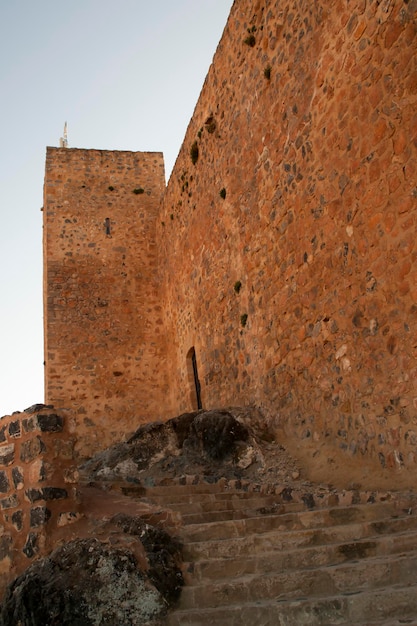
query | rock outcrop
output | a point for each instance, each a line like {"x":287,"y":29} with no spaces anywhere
{"x":206,"y":442}
{"x":87,"y":582}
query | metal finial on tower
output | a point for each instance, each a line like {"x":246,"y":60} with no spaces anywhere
{"x":63,"y":142}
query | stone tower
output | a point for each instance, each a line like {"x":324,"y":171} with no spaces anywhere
{"x":104,"y":350}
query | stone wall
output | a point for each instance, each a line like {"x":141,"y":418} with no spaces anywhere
{"x":104,"y":344}
{"x":282,"y":256}
{"x":37,"y":485}
{"x":288,"y":229}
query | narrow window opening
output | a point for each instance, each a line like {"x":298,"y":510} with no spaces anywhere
{"x":108,"y":226}
{"x":194,"y":380}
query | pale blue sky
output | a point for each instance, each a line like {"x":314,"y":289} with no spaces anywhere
{"x":125,"y":75}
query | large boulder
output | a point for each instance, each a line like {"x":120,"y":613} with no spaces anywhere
{"x":163,"y":555}
{"x":201,"y":441}
{"x":87,"y":582}
{"x":215,"y":435}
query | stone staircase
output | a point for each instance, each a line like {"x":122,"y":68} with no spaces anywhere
{"x":263,"y":555}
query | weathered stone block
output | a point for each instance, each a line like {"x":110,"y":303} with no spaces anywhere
{"x":31,"y":449}
{"x":51,"y":422}
{"x":7,"y":454}
{"x":71,"y":475}
{"x":54,"y":493}
{"x":39,"y":516}
{"x":17,"y":520}
{"x":31,"y":546}
{"x":64,"y":449}
{"x":36,"y":471}
{"x":5,"y":546}
{"x":4,"y":482}
{"x":33,"y":495}
{"x":68,"y":518}
{"x":38,"y":407}
{"x":29,"y":424}
{"x":15,"y":429}
{"x":17,"y":476}
{"x":10,"y":502}
{"x":46,"y":493}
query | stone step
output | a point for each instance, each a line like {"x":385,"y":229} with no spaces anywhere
{"x":347,"y":578}
{"x":387,"y":606}
{"x":243,"y":512}
{"x":292,"y":557}
{"x":249,"y":508}
{"x":212,"y":502}
{"x":225,"y":489}
{"x":188,"y":493}
{"x":206,"y":501}
{"x":278,"y":540}
{"x":221,"y":486}
{"x":301,"y":558}
{"x":401,"y":621}
{"x":288,"y":521}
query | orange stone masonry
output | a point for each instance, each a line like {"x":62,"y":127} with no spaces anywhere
{"x":37,"y":485}
{"x":288,"y":229}
{"x":277,"y":269}
{"x":280,"y":261}
{"x":104,"y":345}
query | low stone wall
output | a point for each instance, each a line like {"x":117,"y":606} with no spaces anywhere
{"x":37,"y":485}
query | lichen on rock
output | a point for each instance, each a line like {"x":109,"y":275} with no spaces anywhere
{"x":203,"y":440}
{"x":83,"y":583}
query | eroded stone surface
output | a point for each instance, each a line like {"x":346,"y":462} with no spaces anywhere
{"x":50,"y":422}
{"x":7,"y":454}
{"x":83,"y":583}
{"x":205,"y":440}
{"x":163,"y":554}
{"x":4,"y":483}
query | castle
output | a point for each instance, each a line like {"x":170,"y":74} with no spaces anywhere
{"x":276,"y":269}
